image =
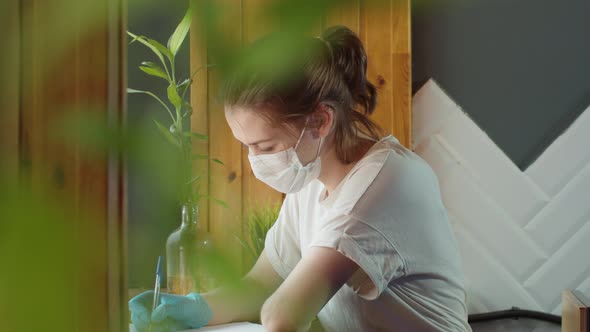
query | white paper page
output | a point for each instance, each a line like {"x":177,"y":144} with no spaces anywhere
{"x":232,"y":327}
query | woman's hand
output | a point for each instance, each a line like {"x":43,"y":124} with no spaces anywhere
{"x":174,"y":313}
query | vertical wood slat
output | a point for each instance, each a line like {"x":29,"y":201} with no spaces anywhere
{"x":226,"y":180}
{"x":199,"y":103}
{"x":29,"y":151}
{"x":88,"y":175}
{"x":376,"y":34}
{"x":117,"y":273}
{"x":401,"y":71}
{"x":348,"y":16}
{"x":255,"y":193}
{"x":10,"y":90}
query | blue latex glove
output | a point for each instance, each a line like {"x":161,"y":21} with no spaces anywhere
{"x":174,"y":313}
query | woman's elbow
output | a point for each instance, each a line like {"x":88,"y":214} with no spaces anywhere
{"x":277,"y":325}
{"x":274,"y":321}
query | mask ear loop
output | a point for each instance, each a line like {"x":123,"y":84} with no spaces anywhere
{"x":301,"y":136}
{"x":317,"y":156}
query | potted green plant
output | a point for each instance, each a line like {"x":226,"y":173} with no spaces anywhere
{"x":185,"y":247}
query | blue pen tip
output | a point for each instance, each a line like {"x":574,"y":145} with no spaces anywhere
{"x":159,"y":267}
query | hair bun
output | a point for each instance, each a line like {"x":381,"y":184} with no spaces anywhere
{"x":350,"y":59}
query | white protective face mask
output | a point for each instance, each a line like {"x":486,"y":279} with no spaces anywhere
{"x":283,"y":170}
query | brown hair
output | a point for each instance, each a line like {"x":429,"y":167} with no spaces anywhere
{"x":331,"y":68}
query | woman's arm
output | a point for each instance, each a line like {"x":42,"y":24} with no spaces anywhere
{"x":243,"y":300}
{"x":315,"y":279}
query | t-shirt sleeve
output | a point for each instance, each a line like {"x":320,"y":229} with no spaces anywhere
{"x":281,"y":245}
{"x":378,"y":260}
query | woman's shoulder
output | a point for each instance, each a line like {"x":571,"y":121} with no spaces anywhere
{"x":389,"y":169}
{"x":384,"y":158}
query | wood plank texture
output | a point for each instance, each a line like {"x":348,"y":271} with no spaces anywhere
{"x":10,"y":89}
{"x":78,"y":72}
{"x":255,"y":193}
{"x":225,"y":181}
{"x":199,"y":103}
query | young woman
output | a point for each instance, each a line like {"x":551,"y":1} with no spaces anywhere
{"x":362,"y":241}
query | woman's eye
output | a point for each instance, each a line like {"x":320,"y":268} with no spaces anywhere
{"x":268,"y":149}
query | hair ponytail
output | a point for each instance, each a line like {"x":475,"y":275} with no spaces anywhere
{"x":351,"y":60}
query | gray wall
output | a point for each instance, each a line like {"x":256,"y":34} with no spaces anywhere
{"x":519,"y":68}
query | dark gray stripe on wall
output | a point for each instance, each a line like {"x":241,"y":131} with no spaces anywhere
{"x":519,"y":68}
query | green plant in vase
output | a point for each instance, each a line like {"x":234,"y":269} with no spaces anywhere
{"x":187,"y":246}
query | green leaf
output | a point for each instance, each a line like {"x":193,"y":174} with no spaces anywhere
{"x":196,"y":178}
{"x":129,"y":90}
{"x":173,"y":96}
{"x":162,"y":49}
{"x":150,"y":44}
{"x":205,"y":157}
{"x":184,"y":83}
{"x":216,"y":200}
{"x":188,"y":109}
{"x":197,"y":135}
{"x":179,"y":34}
{"x":166,"y":133}
{"x":153,"y":69}
{"x":183,"y":86}
{"x":246,"y":246}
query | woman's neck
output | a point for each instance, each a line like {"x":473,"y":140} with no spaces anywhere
{"x":334,"y":170}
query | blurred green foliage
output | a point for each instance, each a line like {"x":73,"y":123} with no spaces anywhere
{"x":49,"y":244}
{"x":43,"y":267}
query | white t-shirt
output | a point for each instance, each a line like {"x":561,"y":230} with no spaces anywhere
{"x":387,"y":216}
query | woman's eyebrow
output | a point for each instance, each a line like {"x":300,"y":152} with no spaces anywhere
{"x":259,"y":141}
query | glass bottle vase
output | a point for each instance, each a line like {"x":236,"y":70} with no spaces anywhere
{"x":187,"y":251}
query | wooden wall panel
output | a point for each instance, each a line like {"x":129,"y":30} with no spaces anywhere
{"x":385,"y":31}
{"x":199,"y":103}
{"x":349,"y":15}
{"x":225,"y":181}
{"x":384,"y":27}
{"x":61,"y":73}
{"x":255,"y":193}
{"x":10,"y":89}
{"x":401,"y":71}
{"x":376,"y":34}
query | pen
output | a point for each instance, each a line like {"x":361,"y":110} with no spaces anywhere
{"x":157,"y":286}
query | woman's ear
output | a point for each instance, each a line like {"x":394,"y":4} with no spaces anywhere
{"x":322,"y":120}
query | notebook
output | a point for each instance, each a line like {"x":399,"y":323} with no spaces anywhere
{"x":231,"y":327}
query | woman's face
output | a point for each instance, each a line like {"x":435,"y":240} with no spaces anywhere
{"x":261,"y":136}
